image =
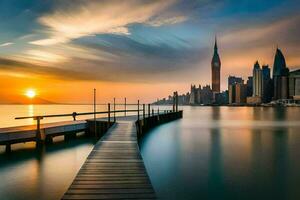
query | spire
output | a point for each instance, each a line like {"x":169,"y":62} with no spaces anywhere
{"x":216,"y":44}
{"x":216,"y":59}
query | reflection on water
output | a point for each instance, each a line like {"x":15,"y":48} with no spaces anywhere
{"x":226,"y":153}
{"x":43,"y":173}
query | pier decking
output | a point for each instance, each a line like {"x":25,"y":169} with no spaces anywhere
{"x":114,"y":169}
{"x":28,"y":133}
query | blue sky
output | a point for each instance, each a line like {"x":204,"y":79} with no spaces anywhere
{"x":143,"y":41}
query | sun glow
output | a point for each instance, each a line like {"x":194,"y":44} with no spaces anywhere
{"x":30,"y":93}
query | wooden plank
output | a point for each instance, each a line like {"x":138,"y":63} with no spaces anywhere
{"x":111,"y":196}
{"x":109,"y":191}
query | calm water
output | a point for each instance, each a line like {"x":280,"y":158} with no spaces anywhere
{"x":213,"y":153}
{"x":46,"y":173}
{"x":226,"y":153}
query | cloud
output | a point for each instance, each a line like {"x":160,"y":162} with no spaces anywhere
{"x":44,"y":56}
{"x":282,"y":31}
{"x":167,"y":21}
{"x":102,"y":17}
{"x":6,"y":44}
{"x":24,"y":69}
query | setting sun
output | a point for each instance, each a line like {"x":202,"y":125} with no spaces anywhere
{"x":30,"y":93}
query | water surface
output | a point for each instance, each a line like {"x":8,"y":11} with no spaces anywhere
{"x":226,"y":153}
{"x":43,"y":173}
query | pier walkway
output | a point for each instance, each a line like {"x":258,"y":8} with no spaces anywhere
{"x":114,"y":169}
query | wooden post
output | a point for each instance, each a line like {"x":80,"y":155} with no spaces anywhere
{"x":108,"y":112}
{"x":39,"y":137}
{"x":173,"y":101}
{"x":158,"y":110}
{"x":152,"y":112}
{"x":138,"y":109}
{"x":125,"y":106}
{"x":176,"y":101}
{"x":149,"y":110}
{"x":144,"y":111}
{"x":95,"y":125}
{"x":8,"y":148}
{"x":114,"y":109}
{"x":74,"y":116}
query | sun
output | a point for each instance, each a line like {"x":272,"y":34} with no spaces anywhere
{"x":30,"y":93}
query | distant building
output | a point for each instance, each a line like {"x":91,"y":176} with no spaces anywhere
{"x":280,"y":77}
{"x":201,"y":95}
{"x":240,"y":93}
{"x":257,"y":80}
{"x":231,"y":94}
{"x":232,"y":82}
{"x":267,"y":85}
{"x":215,"y":70}
{"x":221,"y":98}
{"x":192,"y":99}
{"x":250,"y":86}
{"x":294,"y":84}
{"x":206,"y":95}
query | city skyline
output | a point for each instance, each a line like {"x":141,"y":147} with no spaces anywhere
{"x":282,"y":87}
{"x":158,"y":46}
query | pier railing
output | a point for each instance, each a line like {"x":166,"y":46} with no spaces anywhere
{"x":140,"y":112}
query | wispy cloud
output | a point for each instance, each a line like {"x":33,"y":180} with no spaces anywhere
{"x":6,"y":44}
{"x":167,"y":21}
{"x":101,"y":17}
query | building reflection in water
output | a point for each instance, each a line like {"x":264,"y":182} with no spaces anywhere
{"x":280,"y":155}
{"x":215,"y":179}
{"x":270,"y":165}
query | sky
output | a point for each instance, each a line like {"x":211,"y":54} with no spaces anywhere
{"x":139,"y":49}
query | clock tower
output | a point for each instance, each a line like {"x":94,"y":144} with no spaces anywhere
{"x":215,"y":70}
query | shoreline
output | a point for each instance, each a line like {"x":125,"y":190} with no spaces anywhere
{"x":229,"y":105}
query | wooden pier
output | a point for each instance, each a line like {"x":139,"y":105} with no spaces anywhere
{"x":114,"y":169}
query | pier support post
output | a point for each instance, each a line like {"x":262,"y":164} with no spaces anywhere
{"x":108,"y":112}
{"x":152,"y":112}
{"x":8,"y":148}
{"x":176,"y":101}
{"x":173,"y":101}
{"x":138,"y":108}
{"x":144,"y":113}
{"x":95,"y":127}
{"x":125,"y":107}
{"x":149,"y":110}
{"x":39,"y":135}
{"x":114,"y":109}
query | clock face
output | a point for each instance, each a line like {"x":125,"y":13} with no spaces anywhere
{"x":216,"y":64}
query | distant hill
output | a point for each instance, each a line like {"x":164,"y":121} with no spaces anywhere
{"x":20,"y":99}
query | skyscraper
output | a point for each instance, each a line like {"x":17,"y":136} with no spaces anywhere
{"x":240,"y":93}
{"x":257,"y":80}
{"x":267,"y":84}
{"x":250,"y":86}
{"x":280,"y":76}
{"x":232,"y":82}
{"x":215,"y":70}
